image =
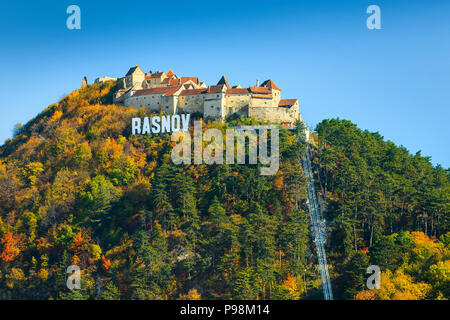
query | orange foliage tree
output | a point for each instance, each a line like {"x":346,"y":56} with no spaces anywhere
{"x":10,"y":249}
{"x":106,"y":263}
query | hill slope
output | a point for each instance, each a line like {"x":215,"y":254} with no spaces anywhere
{"x":76,"y":188}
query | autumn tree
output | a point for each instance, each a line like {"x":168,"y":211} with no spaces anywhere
{"x":10,"y":249}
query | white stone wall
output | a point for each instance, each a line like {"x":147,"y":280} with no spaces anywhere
{"x":236,"y":102}
{"x":276,"y":115}
{"x":156,"y":82}
{"x":135,"y":80}
{"x":169,"y":104}
{"x":214,"y":106}
{"x":191,"y":103}
{"x":219,"y":105}
{"x":150,"y":101}
{"x":276,"y":94}
{"x":104,"y":79}
{"x":261,"y":103}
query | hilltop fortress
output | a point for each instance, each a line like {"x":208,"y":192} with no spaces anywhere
{"x":160,"y":91}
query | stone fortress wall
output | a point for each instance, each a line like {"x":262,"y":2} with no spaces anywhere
{"x":160,"y":91}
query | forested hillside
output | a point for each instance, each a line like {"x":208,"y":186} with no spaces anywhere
{"x":387,"y":208}
{"x":77,"y":189}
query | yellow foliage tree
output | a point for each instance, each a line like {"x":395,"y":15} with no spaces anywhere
{"x":279,"y":181}
{"x":290,"y":284}
{"x":191,"y":295}
{"x":14,"y":277}
{"x":396,"y":286}
{"x":32,"y":171}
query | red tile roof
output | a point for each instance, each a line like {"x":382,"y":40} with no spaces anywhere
{"x":174,"y":82}
{"x":170,"y":82}
{"x":172,"y":91}
{"x":287,"y":102}
{"x":237,"y":91}
{"x":186,"y":79}
{"x":156,"y":75}
{"x":215,"y":89}
{"x":144,"y":92}
{"x":191,"y":92}
{"x":259,"y":90}
{"x":270,"y":84}
{"x":262,"y":96}
{"x":170,"y":74}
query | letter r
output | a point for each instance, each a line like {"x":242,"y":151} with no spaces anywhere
{"x":136,"y":126}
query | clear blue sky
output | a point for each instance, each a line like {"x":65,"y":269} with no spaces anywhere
{"x":395,"y":81}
